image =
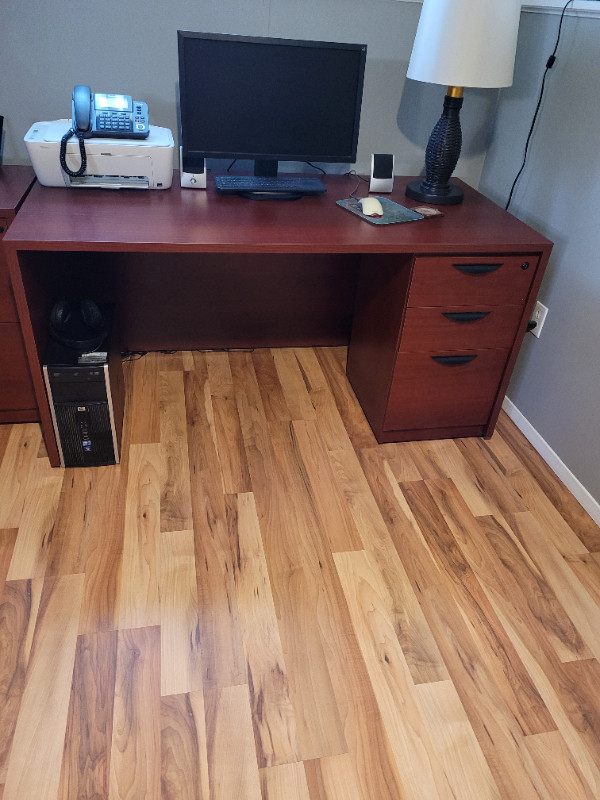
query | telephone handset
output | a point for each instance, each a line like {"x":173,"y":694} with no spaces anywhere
{"x":107,"y":115}
{"x":82,"y":110}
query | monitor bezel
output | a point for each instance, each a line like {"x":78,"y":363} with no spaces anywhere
{"x":194,"y":158}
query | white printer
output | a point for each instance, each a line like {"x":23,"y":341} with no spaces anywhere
{"x":111,"y":163}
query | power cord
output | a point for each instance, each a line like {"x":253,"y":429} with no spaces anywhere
{"x":359,"y":178}
{"x":549,"y":64}
{"x":82,"y":153}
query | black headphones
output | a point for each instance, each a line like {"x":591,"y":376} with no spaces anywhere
{"x":79,"y":325}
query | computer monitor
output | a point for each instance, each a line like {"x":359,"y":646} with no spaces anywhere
{"x":268,"y":100}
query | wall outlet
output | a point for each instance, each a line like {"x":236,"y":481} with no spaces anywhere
{"x":539,"y":317}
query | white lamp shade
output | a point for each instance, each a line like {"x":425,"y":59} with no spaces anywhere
{"x":466,"y":42}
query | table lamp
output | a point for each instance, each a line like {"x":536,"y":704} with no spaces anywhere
{"x":459,"y":43}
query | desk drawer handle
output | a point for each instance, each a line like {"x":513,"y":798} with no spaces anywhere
{"x":477,"y":269}
{"x":465,"y":316}
{"x":453,"y":361}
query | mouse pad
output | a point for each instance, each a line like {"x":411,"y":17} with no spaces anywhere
{"x":392,"y":212}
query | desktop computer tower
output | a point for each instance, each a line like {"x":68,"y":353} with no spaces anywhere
{"x":86,"y":396}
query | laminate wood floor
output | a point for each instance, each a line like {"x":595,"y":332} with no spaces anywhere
{"x":261,"y":603}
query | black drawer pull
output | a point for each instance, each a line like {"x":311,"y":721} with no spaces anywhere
{"x":453,"y":361}
{"x":465,"y":316}
{"x":477,"y":269}
{"x":1,"y":229}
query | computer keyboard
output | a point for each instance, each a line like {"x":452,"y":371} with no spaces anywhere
{"x":255,"y":184}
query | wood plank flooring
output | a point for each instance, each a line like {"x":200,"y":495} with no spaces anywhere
{"x":261,"y":603}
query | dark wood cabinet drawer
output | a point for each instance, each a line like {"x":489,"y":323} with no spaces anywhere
{"x":8,"y":311}
{"x":16,"y":387}
{"x":17,"y":396}
{"x":455,"y":328}
{"x":457,"y":280}
{"x":436,"y":390}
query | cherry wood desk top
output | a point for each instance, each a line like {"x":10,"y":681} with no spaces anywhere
{"x":271,"y":273}
{"x":188,"y":220}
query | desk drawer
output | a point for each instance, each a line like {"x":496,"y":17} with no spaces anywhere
{"x":441,"y":389}
{"x":455,"y":328}
{"x":457,"y":280}
{"x":16,"y":387}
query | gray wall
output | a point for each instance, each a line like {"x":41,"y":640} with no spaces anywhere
{"x":556,"y":385}
{"x":47,"y":46}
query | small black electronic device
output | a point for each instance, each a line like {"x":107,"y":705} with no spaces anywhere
{"x":192,"y":180}
{"x":382,"y":172}
{"x":85,"y":391}
{"x":268,"y":100}
{"x":114,"y":116}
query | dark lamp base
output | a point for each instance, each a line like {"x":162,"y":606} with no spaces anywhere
{"x":441,"y":156}
{"x":418,"y":190}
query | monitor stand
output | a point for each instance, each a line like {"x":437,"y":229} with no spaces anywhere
{"x":266,"y":168}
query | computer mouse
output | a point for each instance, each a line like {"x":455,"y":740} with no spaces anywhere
{"x":371,"y":207}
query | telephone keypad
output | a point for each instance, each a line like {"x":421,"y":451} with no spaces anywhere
{"x":123,"y":124}
{"x":112,"y":121}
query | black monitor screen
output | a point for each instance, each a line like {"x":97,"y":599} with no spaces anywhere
{"x":268,"y":99}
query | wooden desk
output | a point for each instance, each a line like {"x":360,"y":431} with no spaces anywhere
{"x":194,"y":269}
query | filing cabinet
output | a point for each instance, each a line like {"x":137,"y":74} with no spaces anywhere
{"x":17,"y":399}
{"x":454,"y":324}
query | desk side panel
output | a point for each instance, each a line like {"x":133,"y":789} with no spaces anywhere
{"x":379,"y":314}
{"x":527,"y":311}
{"x":33,"y":310}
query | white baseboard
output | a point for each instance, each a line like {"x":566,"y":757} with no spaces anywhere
{"x":590,"y":504}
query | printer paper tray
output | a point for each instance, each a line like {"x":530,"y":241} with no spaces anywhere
{"x":111,"y":181}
